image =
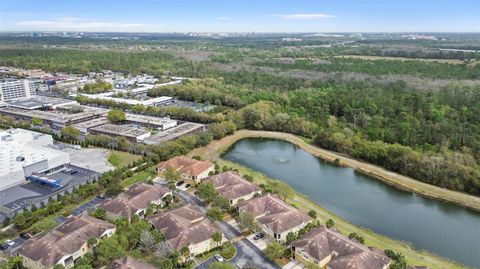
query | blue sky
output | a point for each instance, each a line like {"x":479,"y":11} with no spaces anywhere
{"x":241,"y":15}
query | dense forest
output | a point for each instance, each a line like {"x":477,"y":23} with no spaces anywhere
{"x":431,"y":135}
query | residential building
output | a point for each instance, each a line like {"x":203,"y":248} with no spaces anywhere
{"x":16,"y":89}
{"x":65,"y":244}
{"x":135,"y":201}
{"x":24,"y":152}
{"x":130,"y":263}
{"x":233,"y":187}
{"x":328,"y":248}
{"x":275,"y":217}
{"x":188,"y":168}
{"x":187,"y":226}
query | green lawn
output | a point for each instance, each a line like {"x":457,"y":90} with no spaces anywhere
{"x":139,"y":177}
{"x":120,"y":159}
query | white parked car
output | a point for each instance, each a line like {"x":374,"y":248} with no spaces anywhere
{"x":9,"y":242}
{"x":219,"y":257}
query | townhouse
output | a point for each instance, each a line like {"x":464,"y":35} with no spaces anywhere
{"x":331,"y":249}
{"x":135,"y":201}
{"x":65,"y":244}
{"x":275,"y":217}
{"x":187,"y":226}
{"x":189,"y":169}
{"x":233,"y":187}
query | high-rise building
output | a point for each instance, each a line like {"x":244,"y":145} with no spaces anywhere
{"x":16,"y":89}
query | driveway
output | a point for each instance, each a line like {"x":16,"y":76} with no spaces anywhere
{"x":261,"y":244}
{"x":87,"y":206}
{"x":294,"y":265}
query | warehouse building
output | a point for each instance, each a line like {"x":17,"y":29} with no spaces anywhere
{"x":130,"y":132}
{"x":24,"y":153}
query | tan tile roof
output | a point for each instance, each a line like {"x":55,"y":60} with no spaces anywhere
{"x":135,"y":198}
{"x":130,"y":263}
{"x":186,"y":165}
{"x":184,"y":226}
{"x":64,"y":240}
{"x":231,"y":185}
{"x":273,"y":212}
{"x":322,"y":242}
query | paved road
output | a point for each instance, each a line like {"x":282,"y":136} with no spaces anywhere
{"x":87,"y":206}
{"x":247,"y":253}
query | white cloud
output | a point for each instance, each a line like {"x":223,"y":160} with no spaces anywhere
{"x":303,"y":16}
{"x":76,"y":24}
{"x":223,"y":18}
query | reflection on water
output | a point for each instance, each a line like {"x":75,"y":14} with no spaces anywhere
{"x":448,"y":230}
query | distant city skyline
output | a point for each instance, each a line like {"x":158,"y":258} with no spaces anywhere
{"x":241,"y":16}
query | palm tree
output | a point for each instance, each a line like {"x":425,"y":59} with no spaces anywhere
{"x":217,"y":237}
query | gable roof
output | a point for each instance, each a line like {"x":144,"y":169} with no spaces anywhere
{"x":137,"y":197}
{"x":322,"y":242}
{"x":186,"y":165}
{"x":231,"y":185}
{"x":184,"y":226}
{"x":274,"y":213}
{"x":130,"y":263}
{"x":64,"y":240}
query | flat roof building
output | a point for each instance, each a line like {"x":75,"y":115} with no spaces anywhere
{"x":39,"y":102}
{"x":132,"y":133}
{"x":175,"y":132}
{"x":10,"y":90}
{"x":24,"y":152}
{"x":159,"y":123}
{"x":54,"y":118}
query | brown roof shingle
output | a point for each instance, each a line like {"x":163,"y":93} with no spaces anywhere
{"x":274,"y":213}
{"x":130,"y":263}
{"x":64,"y":240}
{"x":322,"y":242}
{"x":186,"y":165}
{"x":231,"y":185}
{"x":184,"y":226}
{"x":135,"y":198}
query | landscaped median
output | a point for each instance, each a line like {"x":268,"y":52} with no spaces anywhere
{"x":414,"y":257}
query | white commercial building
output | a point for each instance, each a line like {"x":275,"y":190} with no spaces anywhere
{"x":16,"y":89}
{"x":24,"y":152}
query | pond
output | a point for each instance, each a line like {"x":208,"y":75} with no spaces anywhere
{"x":445,"y":229}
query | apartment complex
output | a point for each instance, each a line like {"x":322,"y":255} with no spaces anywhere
{"x":187,"y":168}
{"x":233,"y":187}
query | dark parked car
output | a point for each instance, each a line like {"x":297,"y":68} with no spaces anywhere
{"x":259,"y":236}
{"x":179,"y":183}
{"x":187,"y":186}
{"x":25,"y":235}
{"x":73,"y":172}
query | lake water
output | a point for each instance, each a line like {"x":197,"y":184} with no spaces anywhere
{"x":445,"y":229}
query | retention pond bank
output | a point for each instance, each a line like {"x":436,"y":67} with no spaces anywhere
{"x":449,"y":230}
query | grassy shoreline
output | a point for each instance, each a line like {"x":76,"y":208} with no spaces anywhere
{"x":215,"y":149}
{"x":415,"y":257}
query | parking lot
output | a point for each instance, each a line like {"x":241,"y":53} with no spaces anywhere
{"x":17,"y":198}
{"x":95,"y":159}
{"x":87,"y":206}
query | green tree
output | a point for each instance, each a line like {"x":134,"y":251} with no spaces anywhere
{"x":37,"y":121}
{"x":206,"y":192}
{"x":215,"y":213}
{"x":99,"y":213}
{"x":246,"y":221}
{"x":313,"y":214}
{"x":70,"y":133}
{"x":274,"y":250}
{"x":116,"y":116}
{"x":217,"y":237}
{"x":108,"y":250}
{"x":330,"y":223}
{"x":171,"y":175}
